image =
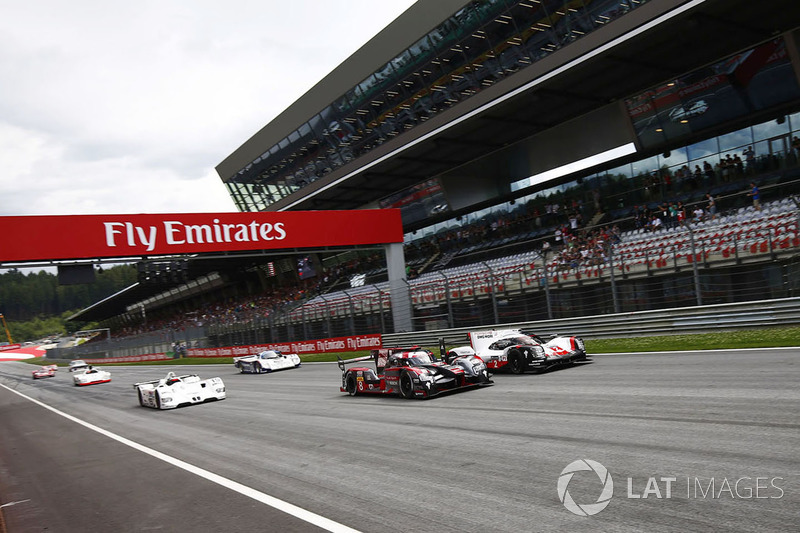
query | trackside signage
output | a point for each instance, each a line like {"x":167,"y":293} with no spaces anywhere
{"x":33,"y":238}
{"x":338,"y":344}
{"x":10,"y":347}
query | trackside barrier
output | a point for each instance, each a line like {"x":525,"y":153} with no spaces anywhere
{"x":129,"y":359}
{"x":699,"y":319}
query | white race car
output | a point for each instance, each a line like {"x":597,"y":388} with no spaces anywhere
{"x":513,"y":350}
{"x":77,"y":364}
{"x":174,"y":391}
{"x":266,"y":361}
{"x":90,"y":376}
{"x":44,"y":372}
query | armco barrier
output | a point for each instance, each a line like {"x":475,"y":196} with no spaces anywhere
{"x":699,"y":319}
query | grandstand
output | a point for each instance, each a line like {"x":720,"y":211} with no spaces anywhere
{"x":530,"y":146}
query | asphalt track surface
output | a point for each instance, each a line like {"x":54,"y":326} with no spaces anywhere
{"x":482,"y":460}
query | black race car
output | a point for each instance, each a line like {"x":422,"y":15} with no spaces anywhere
{"x":412,"y":373}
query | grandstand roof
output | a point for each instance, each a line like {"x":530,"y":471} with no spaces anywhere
{"x":482,"y":134}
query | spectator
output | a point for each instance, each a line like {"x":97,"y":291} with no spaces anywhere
{"x":655,"y":224}
{"x":681,"y":214}
{"x":756,"y":195}
{"x":698,"y":213}
{"x":711,"y":206}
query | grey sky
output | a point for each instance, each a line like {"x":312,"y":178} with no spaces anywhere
{"x":126,"y":107}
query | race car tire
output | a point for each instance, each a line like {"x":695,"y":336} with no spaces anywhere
{"x":350,"y":385}
{"x":257,"y":369}
{"x":158,"y":400}
{"x":141,"y":398}
{"x":406,"y":386}
{"x":516,"y":362}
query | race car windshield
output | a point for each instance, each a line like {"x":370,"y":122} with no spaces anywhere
{"x":525,"y":341}
{"x":269,"y":354}
{"x":420,"y":359}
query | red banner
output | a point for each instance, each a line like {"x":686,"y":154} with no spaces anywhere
{"x":34,"y":238}
{"x":339,"y":344}
{"x":10,"y":347}
{"x":129,"y":359}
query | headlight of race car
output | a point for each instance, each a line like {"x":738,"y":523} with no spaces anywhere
{"x":426,"y":377}
{"x":538,"y":352}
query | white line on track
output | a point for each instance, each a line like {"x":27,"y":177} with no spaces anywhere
{"x":9,"y":504}
{"x":288,"y":508}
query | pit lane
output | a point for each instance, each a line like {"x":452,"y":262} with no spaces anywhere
{"x":480,"y":460}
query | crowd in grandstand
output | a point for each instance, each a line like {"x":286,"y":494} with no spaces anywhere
{"x":557,"y":227}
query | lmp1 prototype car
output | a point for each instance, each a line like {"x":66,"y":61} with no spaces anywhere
{"x":515,"y":351}
{"x":44,"y":372}
{"x":266,"y":361}
{"x":412,"y":373}
{"x":175,"y":391}
{"x":77,"y":364}
{"x":90,"y":376}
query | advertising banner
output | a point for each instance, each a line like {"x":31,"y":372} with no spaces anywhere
{"x":339,"y":344}
{"x":34,"y":238}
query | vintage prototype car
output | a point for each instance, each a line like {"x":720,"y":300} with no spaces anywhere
{"x":412,"y":373}
{"x":175,"y":391}
{"x":266,"y":361}
{"x":77,"y":364}
{"x":44,"y":372}
{"x":517,"y":352}
{"x":90,"y":376}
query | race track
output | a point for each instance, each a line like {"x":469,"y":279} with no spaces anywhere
{"x":692,"y":442}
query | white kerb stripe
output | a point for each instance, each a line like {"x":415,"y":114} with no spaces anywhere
{"x":288,"y":508}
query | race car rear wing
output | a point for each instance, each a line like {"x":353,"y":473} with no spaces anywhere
{"x":342,"y":362}
{"x":379,"y":356}
{"x":154,"y":382}
{"x":157,"y":381}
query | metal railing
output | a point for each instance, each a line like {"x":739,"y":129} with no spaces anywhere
{"x":699,"y":319}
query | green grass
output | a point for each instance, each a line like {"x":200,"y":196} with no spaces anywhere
{"x":755,"y":338}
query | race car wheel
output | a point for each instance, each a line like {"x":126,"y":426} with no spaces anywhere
{"x":350,"y":385}
{"x":406,"y":386}
{"x":158,"y":400}
{"x":141,"y":399}
{"x":516,"y":362}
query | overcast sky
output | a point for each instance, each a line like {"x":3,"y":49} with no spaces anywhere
{"x":109,"y":106}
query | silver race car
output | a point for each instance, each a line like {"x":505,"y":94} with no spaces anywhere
{"x":266,"y":361}
{"x":175,"y":391}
